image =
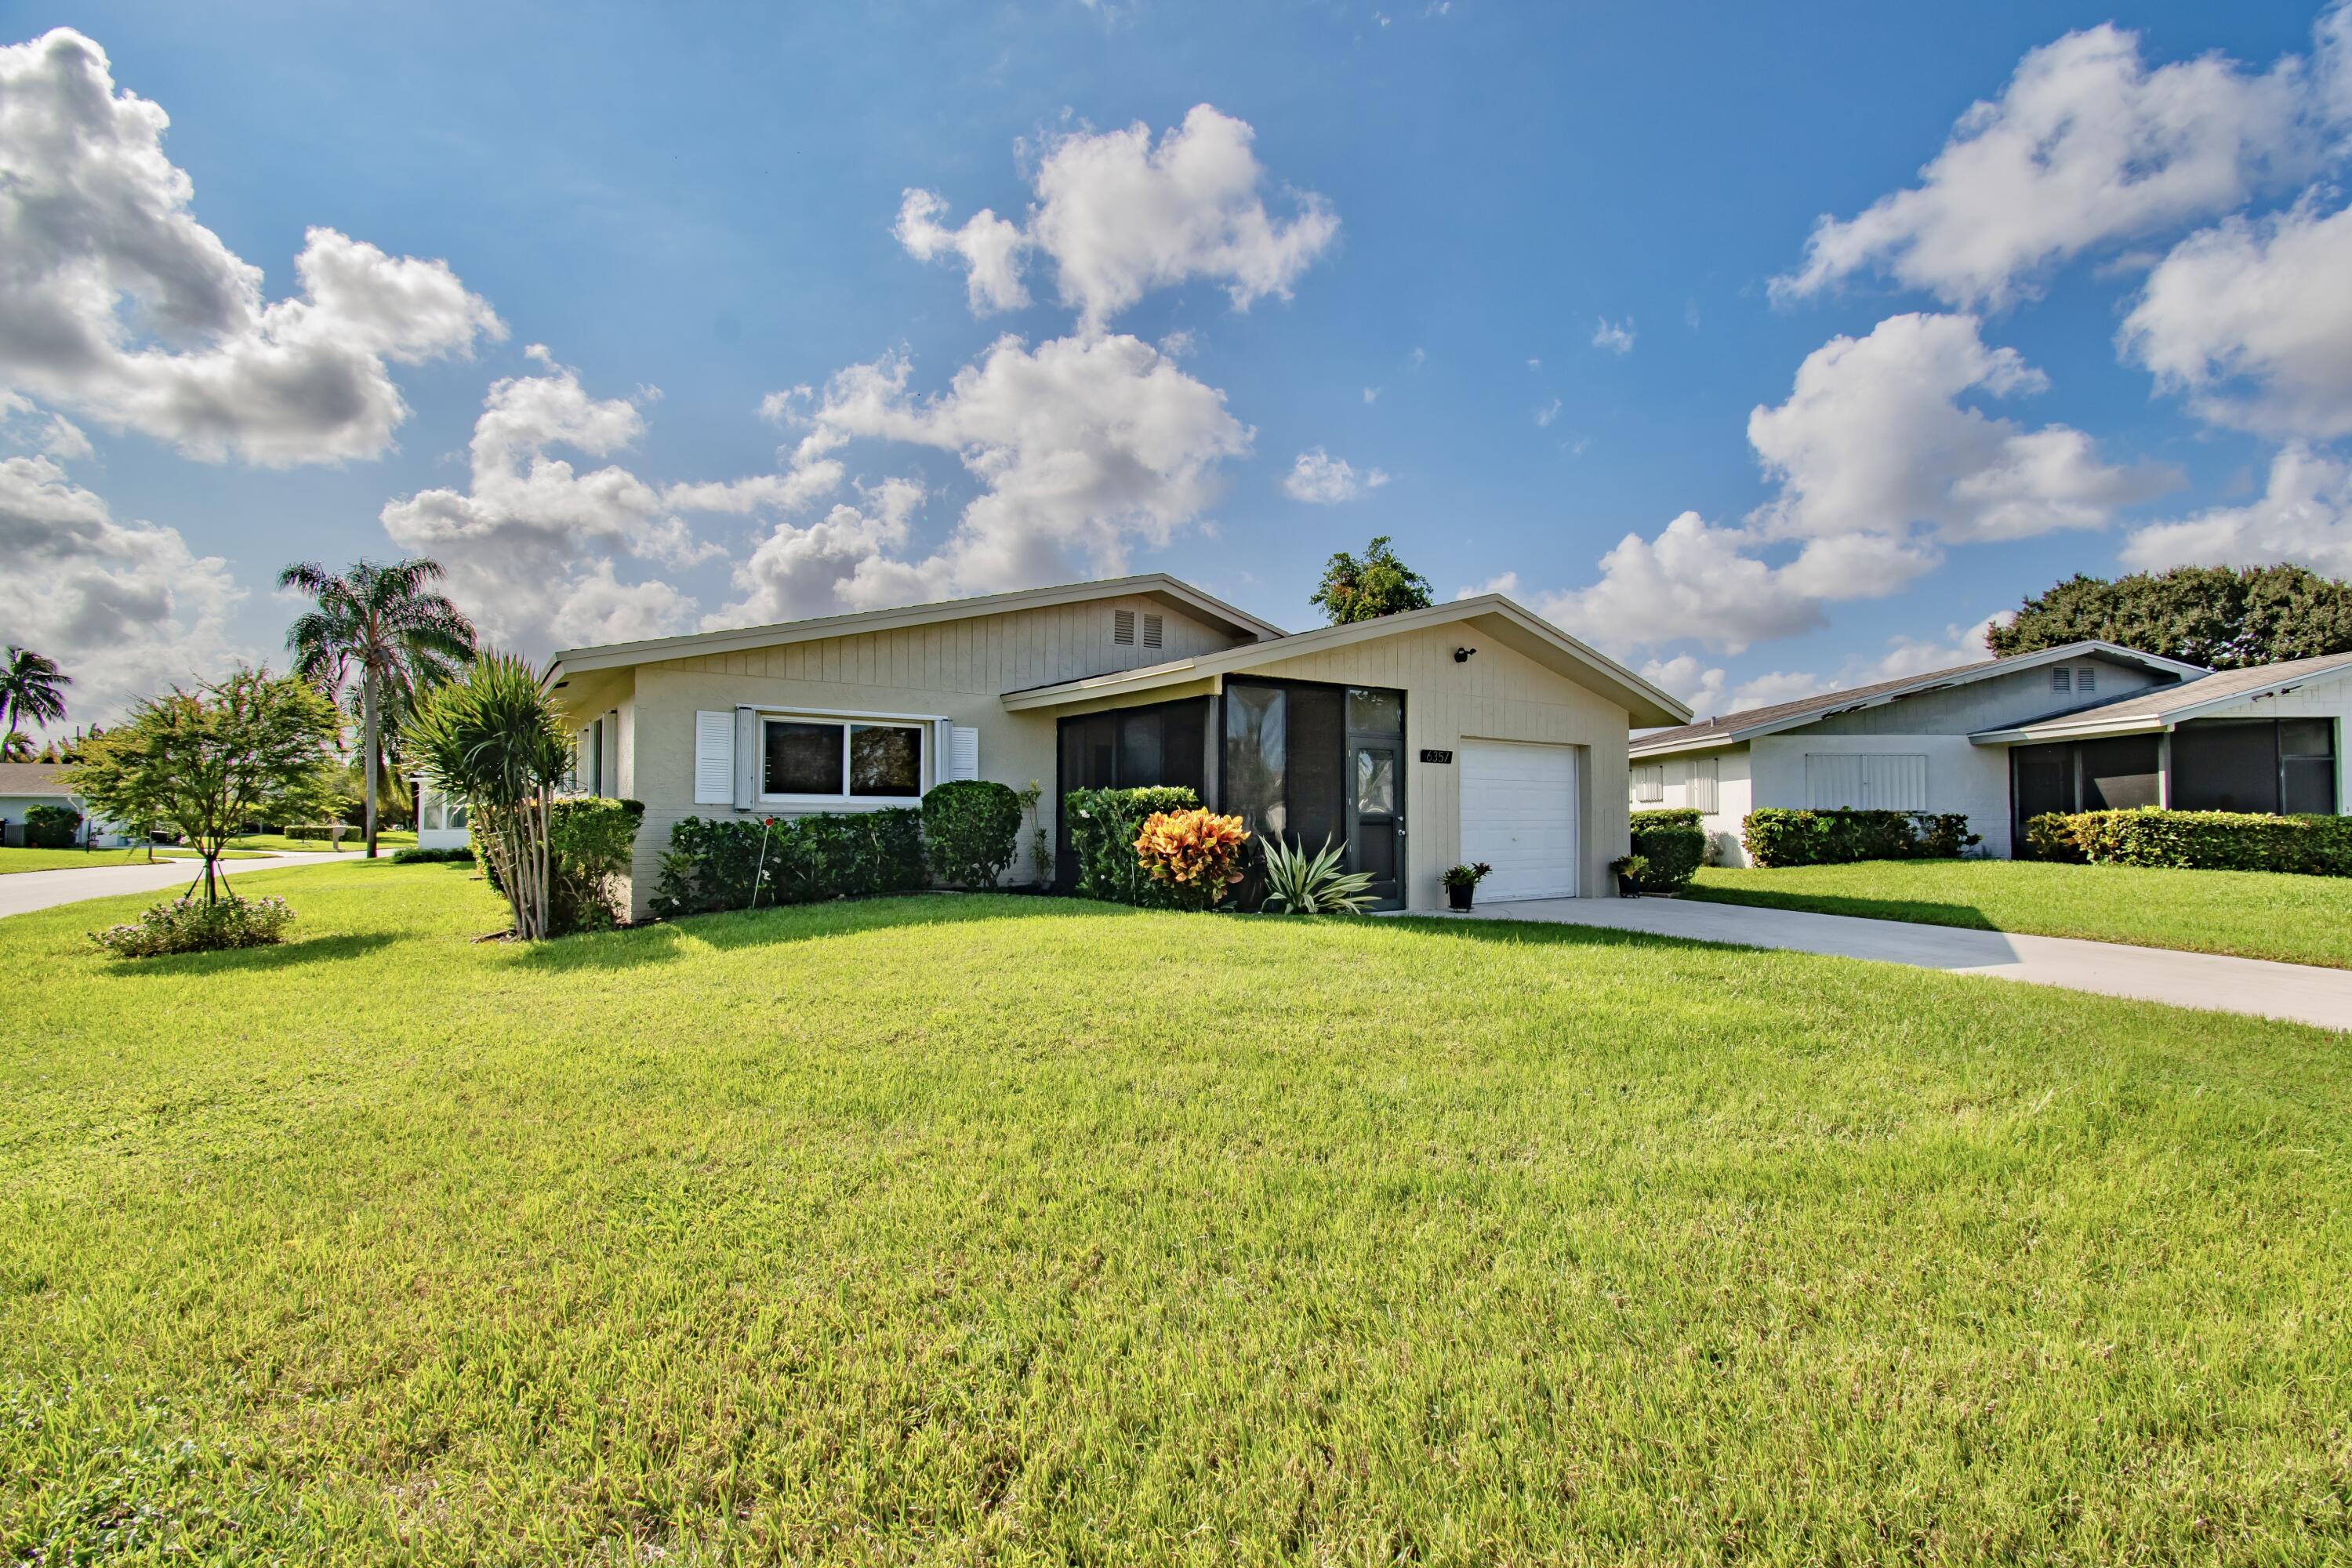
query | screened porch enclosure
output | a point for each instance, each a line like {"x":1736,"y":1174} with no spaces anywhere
{"x":2267,"y":765}
{"x":1300,"y":761}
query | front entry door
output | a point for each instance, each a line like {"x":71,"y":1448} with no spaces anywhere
{"x":1376,"y":817}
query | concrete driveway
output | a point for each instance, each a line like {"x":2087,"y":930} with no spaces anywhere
{"x":2302,"y":993}
{"x":26,"y":890}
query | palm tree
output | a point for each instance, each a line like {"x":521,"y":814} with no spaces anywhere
{"x":16,"y":746}
{"x":31,"y":688}
{"x":493,"y":740}
{"x":382,"y":630}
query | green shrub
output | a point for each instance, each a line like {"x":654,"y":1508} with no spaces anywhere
{"x":1778,"y":836}
{"x":969,"y":828}
{"x":326,"y":832}
{"x":1299,"y":883}
{"x":413,"y":856}
{"x":1104,"y":825}
{"x":803,"y":859}
{"x":51,"y":827}
{"x":1667,"y":816}
{"x":589,"y":841}
{"x":191,"y":925}
{"x":2197,"y":840}
{"x":1674,"y":849}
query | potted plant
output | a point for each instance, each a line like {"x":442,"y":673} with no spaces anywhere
{"x":1461,"y":881}
{"x":1630,"y":870}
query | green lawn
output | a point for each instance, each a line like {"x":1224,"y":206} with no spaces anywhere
{"x":2255,"y":914}
{"x":69,"y":860}
{"x":353,"y":843}
{"x":1010,"y":1230}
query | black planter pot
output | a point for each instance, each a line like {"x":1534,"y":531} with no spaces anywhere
{"x":1458,"y":894}
{"x":1628,"y":889}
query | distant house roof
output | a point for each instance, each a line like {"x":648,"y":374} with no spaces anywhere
{"x":2165,"y":706}
{"x":32,"y":778}
{"x":1511,"y":624}
{"x":1176,"y":593}
{"x":1730,"y":728}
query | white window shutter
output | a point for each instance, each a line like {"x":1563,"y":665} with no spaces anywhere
{"x":714,"y":758}
{"x":747,"y":759}
{"x":963,"y":752}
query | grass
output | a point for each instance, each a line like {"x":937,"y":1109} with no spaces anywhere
{"x":947,"y":1229}
{"x":81,"y":859}
{"x":354,"y":843}
{"x":2254,"y":914}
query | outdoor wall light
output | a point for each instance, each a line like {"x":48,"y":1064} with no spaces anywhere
{"x":1462,"y":655}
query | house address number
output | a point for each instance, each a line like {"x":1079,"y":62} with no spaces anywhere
{"x":1429,"y":756}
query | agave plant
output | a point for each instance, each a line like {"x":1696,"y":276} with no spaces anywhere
{"x":1313,"y":884}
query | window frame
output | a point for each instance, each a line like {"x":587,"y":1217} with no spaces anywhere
{"x":925,"y":758}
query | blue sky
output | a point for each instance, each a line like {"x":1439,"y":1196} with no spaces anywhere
{"x":648,"y":229}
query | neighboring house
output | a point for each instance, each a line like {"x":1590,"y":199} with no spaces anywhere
{"x":24,"y":786}
{"x":2074,"y":728}
{"x":1470,"y":730}
{"x":440,"y":819}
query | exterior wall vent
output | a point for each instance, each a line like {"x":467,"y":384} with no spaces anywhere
{"x":2086,"y":679}
{"x":1122,"y":627}
{"x":2061,"y":678}
{"x":1153,"y":630}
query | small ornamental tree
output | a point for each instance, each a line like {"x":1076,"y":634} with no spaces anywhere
{"x":252,"y":747}
{"x":1379,"y":585}
{"x":493,"y":739}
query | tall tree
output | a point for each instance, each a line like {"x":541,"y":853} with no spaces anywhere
{"x":2224,"y":616}
{"x":379,"y":635}
{"x":1363,"y":590}
{"x":210,"y":760}
{"x":32,"y":688}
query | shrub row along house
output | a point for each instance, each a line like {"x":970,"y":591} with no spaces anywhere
{"x":2086,"y":727}
{"x":1473,"y":731}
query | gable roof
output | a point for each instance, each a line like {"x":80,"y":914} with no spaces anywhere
{"x":1727,"y":729}
{"x":2166,"y":706}
{"x":32,"y":778}
{"x":1173,"y":592}
{"x":1508,"y":624}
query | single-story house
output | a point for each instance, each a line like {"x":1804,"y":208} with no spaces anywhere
{"x":1465,"y":732}
{"x":2082,"y":727}
{"x":24,"y":786}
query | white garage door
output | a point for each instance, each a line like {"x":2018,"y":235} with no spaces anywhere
{"x":1520,"y":810}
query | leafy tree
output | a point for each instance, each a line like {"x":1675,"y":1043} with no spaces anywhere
{"x":2226,"y":617}
{"x":32,"y":688}
{"x":1379,"y":585}
{"x":379,"y":638}
{"x":16,"y":746}
{"x":492,"y":738}
{"x":210,"y":760}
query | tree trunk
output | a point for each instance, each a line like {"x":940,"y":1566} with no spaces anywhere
{"x":368,"y":744}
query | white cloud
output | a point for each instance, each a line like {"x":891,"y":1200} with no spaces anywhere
{"x":531,"y":544}
{"x":1084,"y":448}
{"x":851,"y":559}
{"x":1547,"y":413}
{"x":1119,"y":217}
{"x":126,"y":608}
{"x":1873,"y":440}
{"x":1371,"y":394}
{"x":1617,"y":337}
{"x":117,"y":304}
{"x":1323,"y":480}
{"x":2085,"y":147}
{"x":2254,"y":320}
{"x":2305,"y":515}
{"x":990,"y":248}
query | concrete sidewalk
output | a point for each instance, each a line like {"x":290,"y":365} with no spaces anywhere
{"x":22,"y":892}
{"x":2299,"y":992}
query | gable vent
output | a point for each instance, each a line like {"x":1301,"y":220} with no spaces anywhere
{"x":1153,"y":630}
{"x":1122,"y":627}
{"x":2061,"y":678}
{"x":2086,"y":679}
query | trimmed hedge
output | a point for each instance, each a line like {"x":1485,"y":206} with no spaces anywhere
{"x":1666,"y":816}
{"x":2195,"y":840}
{"x":413,"y":856}
{"x":1778,"y":836}
{"x":1673,"y":849}
{"x":51,"y":827}
{"x":969,"y":827}
{"x":1104,"y":826}
{"x":804,"y":859}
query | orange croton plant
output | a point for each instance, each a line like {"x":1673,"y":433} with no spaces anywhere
{"x":1198,"y":854}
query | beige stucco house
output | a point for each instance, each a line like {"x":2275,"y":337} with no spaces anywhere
{"x":1466,"y":732}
